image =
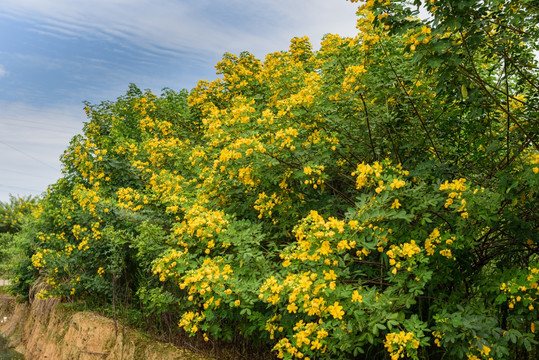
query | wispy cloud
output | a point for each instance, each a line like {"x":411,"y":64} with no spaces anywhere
{"x":193,"y":26}
{"x":3,"y":71}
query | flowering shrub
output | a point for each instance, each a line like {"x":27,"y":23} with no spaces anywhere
{"x":344,"y":202}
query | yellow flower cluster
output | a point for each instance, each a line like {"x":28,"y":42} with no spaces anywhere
{"x":406,"y":250}
{"x":478,"y":349}
{"x":315,"y":173}
{"x":369,"y":33}
{"x":271,"y":327}
{"x":130,"y":199}
{"x":87,"y":199}
{"x":37,"y":259}
{"x":415,"y":37}
{"x":371,"y":176}
{"x":437,"y":337}
{"x":351,"y":82}
{"x":144,"y":105}
{"x":160,"y":150}
{"x":209,"y":275}
{"x":533,"y":160}
{"x":434,"y":240}
{"x":364,"y":172}
{"x":400,"y":344}
{"x":202,"y":223}
{"x":309,"y":335}
{"x":525,"y":292}
{"x":189,"y":321}
{"x":80,"y":157}
{"x":456,"y":188}
{"x":264,"y":204}
{"x":318,"y":239}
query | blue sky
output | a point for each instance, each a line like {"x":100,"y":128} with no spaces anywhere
{"x":55,"y":54}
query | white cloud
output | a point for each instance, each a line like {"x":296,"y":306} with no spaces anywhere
{"x":193,"y":26}
{"x":32,"y":139}
{"x":3,"y":71}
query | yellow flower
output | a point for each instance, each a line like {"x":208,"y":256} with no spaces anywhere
{"x":330,"y":275}
{"x":446,"y":253}
{"x":336,"y":310}
{"x":286,"y":263}
{"x":485,"y":350}
{"x":356,"y":297}
{"x":292,"y":308}
{"x":397,"y":183}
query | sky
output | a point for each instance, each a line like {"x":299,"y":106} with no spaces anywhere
{"x":55,"y":54}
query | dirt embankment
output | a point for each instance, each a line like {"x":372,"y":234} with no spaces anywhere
{"x":45,"y":331}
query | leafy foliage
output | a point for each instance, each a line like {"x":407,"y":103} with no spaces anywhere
{"x":374,"y":197}
{"x":12,"y":216}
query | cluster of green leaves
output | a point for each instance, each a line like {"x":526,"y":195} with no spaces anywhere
{"x":12,"y":216}
{"x":376,"y":196}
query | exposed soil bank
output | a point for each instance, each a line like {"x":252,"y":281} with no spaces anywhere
{"x":45,"y":331}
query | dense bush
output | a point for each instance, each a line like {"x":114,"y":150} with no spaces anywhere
{"x":377,"y":196}
{"x":12,"y":217}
